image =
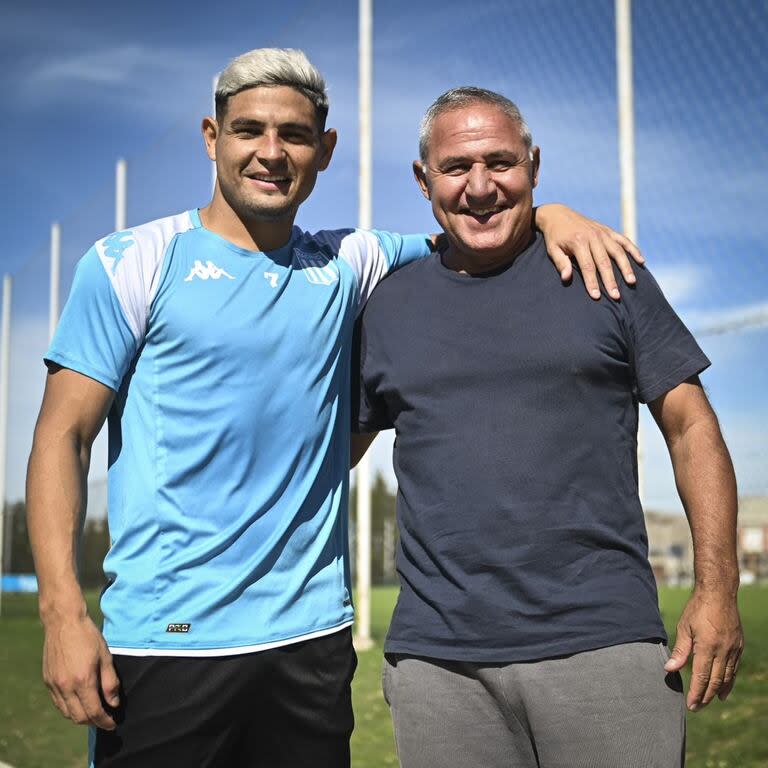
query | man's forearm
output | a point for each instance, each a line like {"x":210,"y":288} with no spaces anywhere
{"x":707,"y":487}
{"x":56,"y":500}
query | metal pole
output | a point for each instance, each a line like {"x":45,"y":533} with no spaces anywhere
{"x":213,"y":100}
{"x":627,"y":166}
{"x":53,"y":303}
{"x":363,"y":602}
{"x":626,"y":117}
{"x":121,"y":195}
{"x":5,"y":355}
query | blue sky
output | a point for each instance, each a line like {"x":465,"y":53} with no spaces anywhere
{"x":86,"y":83}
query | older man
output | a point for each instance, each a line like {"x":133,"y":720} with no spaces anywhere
{"x":527,"y":631}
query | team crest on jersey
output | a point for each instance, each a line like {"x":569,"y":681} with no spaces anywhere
{"x":114,"y":248}
{"x":317,"y":268}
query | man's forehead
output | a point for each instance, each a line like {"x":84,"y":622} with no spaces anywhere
{"x":276,"y":101}
{"x":473,"y":126}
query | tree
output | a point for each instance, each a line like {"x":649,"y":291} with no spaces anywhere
{"x":94,"y":545}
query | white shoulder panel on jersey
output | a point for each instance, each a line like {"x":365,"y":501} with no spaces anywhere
{"x":133,"y":260}
{"x":363,"y":251}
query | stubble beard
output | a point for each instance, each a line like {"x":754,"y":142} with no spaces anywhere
{"x":251,"y":210}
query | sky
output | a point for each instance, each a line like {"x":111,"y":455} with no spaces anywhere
{"x":86,"y":83}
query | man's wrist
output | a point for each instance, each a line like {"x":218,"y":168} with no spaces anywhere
{"x":539,"y":214}
{"x":722,"y":586}
{"x":58,"y":608}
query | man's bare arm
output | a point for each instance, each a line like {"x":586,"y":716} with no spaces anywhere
{"x":359,"y":444}
{"x":709,"y":627}
{"x":77,"y":666}
{"x":595,"y":246}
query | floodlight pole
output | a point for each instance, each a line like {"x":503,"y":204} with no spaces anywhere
{"x":121,"y":195}
{"x":627,"y":165}
{"x":213,"y":114}
{"x":5,"y":356}
{"x":363,"y":539}
{"x":53,"y":296}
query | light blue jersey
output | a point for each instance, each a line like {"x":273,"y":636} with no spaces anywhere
{"x":229,"y":433}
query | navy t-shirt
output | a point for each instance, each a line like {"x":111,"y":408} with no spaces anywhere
{"x":515,"y":404}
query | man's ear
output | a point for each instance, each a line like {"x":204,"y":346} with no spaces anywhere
{"x":535,"y":162}
{"x":327,"y":144}
{"x":210,"y":129}
{"x":420,"y":174}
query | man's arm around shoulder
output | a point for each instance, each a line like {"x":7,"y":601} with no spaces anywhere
{"x":709,"y":627}
{"x":77,"y":665}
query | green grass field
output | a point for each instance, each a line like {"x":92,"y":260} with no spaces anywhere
{"x":34,"y":735}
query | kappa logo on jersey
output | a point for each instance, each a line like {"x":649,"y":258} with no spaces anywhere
{"x":207,"y":271}
{"x":272,"y":277}
{"x":115,"y":247}
{"x":318,"y":269}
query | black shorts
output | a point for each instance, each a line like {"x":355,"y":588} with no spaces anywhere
{"x":287,"y":706}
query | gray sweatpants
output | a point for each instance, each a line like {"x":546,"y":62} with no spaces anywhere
{"x":610,"y":708}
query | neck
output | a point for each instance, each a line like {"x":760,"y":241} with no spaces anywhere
{"x":476,"y":263}
{"x":251,"y":233}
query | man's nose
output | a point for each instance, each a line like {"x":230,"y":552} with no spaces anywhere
{"x":479,"y":183}
{"x":270,"y":147}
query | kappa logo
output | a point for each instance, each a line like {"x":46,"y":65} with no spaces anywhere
{"x":318,"y":269}
{"x":207,"y":271}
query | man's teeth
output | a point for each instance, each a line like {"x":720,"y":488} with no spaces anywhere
{"x":483,"y":211}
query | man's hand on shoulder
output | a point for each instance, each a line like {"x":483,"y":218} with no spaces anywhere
{"x":569,"y":235}
{"x":78,"y":671}
{"x":710,"y":628}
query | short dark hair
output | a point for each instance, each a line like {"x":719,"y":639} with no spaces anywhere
{"x":457,"y":98}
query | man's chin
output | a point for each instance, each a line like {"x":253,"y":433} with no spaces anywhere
{"x":271,"y":214}
{"x":484,"y":247}
{"x":277,"y":213}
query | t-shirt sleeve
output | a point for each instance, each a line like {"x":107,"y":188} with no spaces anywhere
{"x":373,"y":255}
{"x":664,"y":351}
{"x":94,"y":335}
{"x":369,"y":411}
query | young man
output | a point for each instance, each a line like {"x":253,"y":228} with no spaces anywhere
{"x":527,"y":630}
{"x":216,"y":343}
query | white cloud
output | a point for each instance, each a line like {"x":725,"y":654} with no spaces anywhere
{"x":108,"y":66}
{"x":727,"y":319}
{"x":680,"y":281}
{"x":133,"y":78}
{"x":123,"y":64}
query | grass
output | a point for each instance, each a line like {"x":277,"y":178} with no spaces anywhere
{"x":34,"y":735}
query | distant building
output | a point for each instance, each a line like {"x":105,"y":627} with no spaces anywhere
{"x":670,"y":549}
{"x":753,"y":538}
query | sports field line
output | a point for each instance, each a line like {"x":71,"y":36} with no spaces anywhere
{"x":5,"y":765}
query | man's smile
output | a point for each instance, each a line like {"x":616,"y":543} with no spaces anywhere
{"x":482,"y":215}
{"x":267,"y":181}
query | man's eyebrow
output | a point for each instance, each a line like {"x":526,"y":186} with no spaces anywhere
{"x":240,"y":123}
{"x":452,"y":159}
{"x":501,"y":154}
{"x":245,"y":122}
{"x":307,"y":128}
